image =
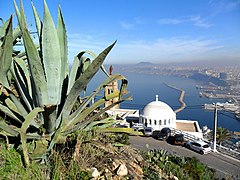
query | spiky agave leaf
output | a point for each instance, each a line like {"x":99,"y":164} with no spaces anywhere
{"x":62,"y":37}
{"x":37,"y":21}
{"x":51,"y":58}
{"x":70,"y":125}
{"x":94,"y":56}
{"x":73,"y":73}
{"x":20,"y":63}
{"x":34,"y":60}
{"x":21,"y":109}
{"x":89,"y":110}
{"x":6,"y":54}
{"x":87,"y":100}
{"x":94,"y":118}
{"x":104,"y":123}
{"x":16,"y":34}
{"x":8,"y":112}
{"x":3,"y":29}
{"x":10,"y":104}
{"x":8,"y":129}
{"x":23,"y":90}
{"x":28,"y":121}
{"x":83,"y":81}
{"x":115,"y":77}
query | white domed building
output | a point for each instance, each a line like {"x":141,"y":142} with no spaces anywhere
{"x":158,"y":115}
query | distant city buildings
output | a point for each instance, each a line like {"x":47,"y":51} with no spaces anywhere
{"x":219,"y":81}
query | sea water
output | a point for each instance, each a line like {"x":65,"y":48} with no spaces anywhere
{"x":144,"y":87}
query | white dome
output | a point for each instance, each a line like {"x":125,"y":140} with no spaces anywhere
{"x":158,"y":114}
{"x":157,"y":109}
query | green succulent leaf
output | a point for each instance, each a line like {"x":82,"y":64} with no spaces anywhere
{"x":94,"y":56}
{"x":37,"y":21}
{"x":95,"y":92}
{"x":8,"y":128}
{"x":83,"y":80}
{"x":34,"y":60}
{"x":62,"y":36}
{"x":3,"y":28}
{"x":8,"y":112}
{"x":19,"y":106}
{"x":89,"y":110}
{"x":104,"y":123}
{"x":25,"y":75}
{"x":16,"y":34}
{"x":23,"y":91}
{"x":6,"y":54}
{"x":10,"y":104}
{"x":30,"y":118}
{"x":51,"y":58}
{"x":73,"y":73}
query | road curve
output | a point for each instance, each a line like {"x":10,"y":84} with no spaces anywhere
{"x":224,"y":165}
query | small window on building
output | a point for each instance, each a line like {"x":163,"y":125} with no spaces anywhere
{"x":155,"y":122}
{"x":150,"y":121}
{"x":169,"y":121}
{"x":160,"y":122}
{"x":165,"y":121}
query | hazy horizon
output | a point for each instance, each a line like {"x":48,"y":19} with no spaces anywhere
{"x":190,"y":63}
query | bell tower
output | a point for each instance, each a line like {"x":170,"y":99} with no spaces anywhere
{"x":110,"y":88}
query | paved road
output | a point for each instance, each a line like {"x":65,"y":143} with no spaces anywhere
{"x":224,"y":165}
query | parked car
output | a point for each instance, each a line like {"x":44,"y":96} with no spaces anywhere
{"x":199,"y":146}
{"x":148,"y":131}
{"x":138,"y":127}
{"x":163,"y":134}
{"x":179,"y":139}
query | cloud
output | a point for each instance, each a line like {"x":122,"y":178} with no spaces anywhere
{"x":174,"y":49}
{"x":226,"y":4}
{"x":233,"y":5}
{"x":129,"y":25}
{"x":198,"y":21}
{"x":80,"y":42}
{"x":220,"y":6}
{"x":126,"y":25}
{"x":195,"y":20}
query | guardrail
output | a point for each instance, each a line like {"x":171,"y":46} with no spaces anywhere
{"x":224,"y":150}
{"x":228,"y":151}
{"x":186,"y":135}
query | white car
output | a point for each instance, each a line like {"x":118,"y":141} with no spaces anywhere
{"x":138,"y":127}
{"x":148,"y":131}
{"x":199,"y":146}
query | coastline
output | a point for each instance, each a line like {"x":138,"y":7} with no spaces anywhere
{"x":183,"y":104}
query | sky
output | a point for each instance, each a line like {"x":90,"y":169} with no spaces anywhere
{"x":157,"y":31}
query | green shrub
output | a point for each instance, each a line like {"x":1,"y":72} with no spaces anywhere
{"x":182,"y":167}
{"x":11,"y":166}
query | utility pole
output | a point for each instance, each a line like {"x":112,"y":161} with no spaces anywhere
{"x":215,"y":129}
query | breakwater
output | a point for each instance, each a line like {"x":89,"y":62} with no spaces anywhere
{"x":183,"y":104}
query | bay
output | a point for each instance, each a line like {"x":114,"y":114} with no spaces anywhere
{"x":144,"y":88}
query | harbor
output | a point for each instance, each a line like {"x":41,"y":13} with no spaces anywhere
{"x":230,"y":107}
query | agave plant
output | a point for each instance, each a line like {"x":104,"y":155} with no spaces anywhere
{"x":42,"y":111}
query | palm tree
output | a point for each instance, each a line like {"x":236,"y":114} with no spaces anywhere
{"x":222,"y":135}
